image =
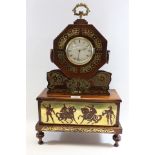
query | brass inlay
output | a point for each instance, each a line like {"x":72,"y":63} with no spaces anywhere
{"x":93,"y":64}
{"x":77,"y":129}
{"x":78,"y":113}
{"x":91,"y":34}
{"x":70,"y":33}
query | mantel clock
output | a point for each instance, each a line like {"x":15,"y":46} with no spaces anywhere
{"x":77,"y":97}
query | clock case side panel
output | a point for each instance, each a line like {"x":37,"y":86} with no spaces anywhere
{"x":39,"y":109}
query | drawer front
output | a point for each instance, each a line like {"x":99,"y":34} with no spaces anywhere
{"x":78,"y":113}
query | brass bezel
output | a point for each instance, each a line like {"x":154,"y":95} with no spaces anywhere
{"x":88,"y":60}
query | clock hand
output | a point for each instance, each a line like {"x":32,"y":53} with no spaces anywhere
{"x":78,"y":55}
{"x":85,"y":48}
{"x":75,"y":48}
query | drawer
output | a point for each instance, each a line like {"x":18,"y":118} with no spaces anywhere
{"x":79,"y":113}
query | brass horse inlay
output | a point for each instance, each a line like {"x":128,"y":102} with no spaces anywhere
{"x":66,"y":113}
{"x":90,"y":114}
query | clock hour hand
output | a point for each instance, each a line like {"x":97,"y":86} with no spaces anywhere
{"x":78,"y":58}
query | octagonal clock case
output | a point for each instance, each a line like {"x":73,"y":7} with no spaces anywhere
{"x":77,"y":97}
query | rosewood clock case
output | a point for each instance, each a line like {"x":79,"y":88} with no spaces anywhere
{"x":77,"y":97}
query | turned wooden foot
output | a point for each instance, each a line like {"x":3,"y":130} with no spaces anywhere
{"x":40,"y":135}
{"x":116,"y":138}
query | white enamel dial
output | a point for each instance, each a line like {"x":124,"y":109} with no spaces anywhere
{"x":79,"y":51}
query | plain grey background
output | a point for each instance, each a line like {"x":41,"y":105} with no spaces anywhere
{"x":47,"y":18}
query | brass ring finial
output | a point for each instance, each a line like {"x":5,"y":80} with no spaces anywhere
{"x":81,"y":13}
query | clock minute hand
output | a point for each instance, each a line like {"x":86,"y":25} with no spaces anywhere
{"x":75,"y":48}
{"x":84,"y":49}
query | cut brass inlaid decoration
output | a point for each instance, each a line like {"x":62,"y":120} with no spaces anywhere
{"x":77,"y":129}
{"x":99,"y":84}
{"x":60,"y":112}
{"x":91,"y":34}
{"x":70,"y":33}
{"x":93,"y":64}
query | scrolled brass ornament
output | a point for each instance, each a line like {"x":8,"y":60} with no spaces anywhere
{"x":81,"y":13}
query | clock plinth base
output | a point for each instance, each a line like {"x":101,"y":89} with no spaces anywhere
{"x":85,"y":113}
{"x":116,"y":131}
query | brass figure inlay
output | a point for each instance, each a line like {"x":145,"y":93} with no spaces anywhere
{"x":60,"y":112}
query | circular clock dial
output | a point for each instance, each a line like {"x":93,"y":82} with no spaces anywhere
{"x":79,"y":51}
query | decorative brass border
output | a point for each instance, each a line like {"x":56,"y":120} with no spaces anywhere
{"x":77,"y":129}
{"x":72,"y":128}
